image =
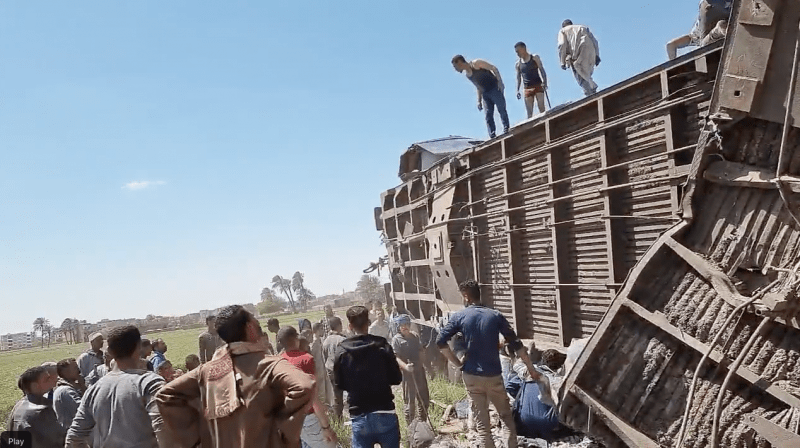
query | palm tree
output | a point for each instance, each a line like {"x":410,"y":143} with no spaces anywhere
{"x":66,"y":328}
{"x":299,"y":288}
{"x":49,"y":329}
{"x":39,"y":326}
{"x":284,"y":285}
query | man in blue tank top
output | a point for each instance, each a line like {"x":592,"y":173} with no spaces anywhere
{"x":531,"y":75}
{"x":487,"y":80}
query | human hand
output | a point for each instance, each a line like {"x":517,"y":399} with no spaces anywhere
{"x":410,"y":367}
{"x":597,"y":61}
{"x":480,"y":105}
{"x":330,"y":435}
{"x":519,"y":96}
{"x":563,"y":66}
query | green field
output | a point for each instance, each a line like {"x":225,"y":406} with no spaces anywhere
{"x":179,"y":344}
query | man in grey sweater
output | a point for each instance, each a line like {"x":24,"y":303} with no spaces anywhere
{"x":34,"y":412}
{"x":120,"y":409}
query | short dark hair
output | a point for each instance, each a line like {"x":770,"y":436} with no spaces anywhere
{"x":192,"y":357}
{"x":231,"y":323}
{"x":146,"y":343}
{"x":336,"y":323}
{"x":29,"y":377}
{"x":125,"y":341}
{"x":358,"y":316}
{"x":273,"y":322}
{"x":472,"y":289}
{"x":565,"y":23}
{"x":163,"y":365}
{"x":316,"y":327}
{"x":210,"y":318}
{"x":62,"y":366}
{"x":520,"y":44}
{"x":458,"y":58}
{"x":286,"y":334}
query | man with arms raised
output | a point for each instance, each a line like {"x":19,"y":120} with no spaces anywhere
{"x":365,"y":366}
{"x":249,"y":399}
{"x":120,"y":409}
{"x":481,"y":368}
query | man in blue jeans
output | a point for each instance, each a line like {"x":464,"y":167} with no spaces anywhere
{"x":489,"y":83}
{"x":481,"y":368}
{"x":365,"y":366}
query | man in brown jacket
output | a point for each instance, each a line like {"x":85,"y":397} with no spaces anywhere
{"x":249,"y":399}
{"x":209,"y":341}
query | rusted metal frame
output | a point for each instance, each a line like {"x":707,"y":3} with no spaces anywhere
{"x":785,"y":134}
{"x":548,"y":184}
{"x":568,"y":139}
{"x":654,"y":218}
{"x":776,"y":435}
{"x":733,"y":174}
{"x":553,"y":173}
{"x":661,"y":321}
{"x":616,"y":305}
{"x":642,"y":159}
{"x":722,"y":284}
{"x":626,"y":432}
{"x":512,"y":265}
{"x":669,"y":136}
{"x":614,"y":187}
{"x":526,"y":285}
{"x":607,"y":157}
{"x":473,"y":241}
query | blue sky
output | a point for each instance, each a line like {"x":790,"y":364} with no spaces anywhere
{"x":166,"y":157}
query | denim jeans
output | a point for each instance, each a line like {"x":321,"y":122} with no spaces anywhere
{"x":490,"y":99}
{"x":373,"y":427}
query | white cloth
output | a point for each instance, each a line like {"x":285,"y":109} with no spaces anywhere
{"x":578,"y":48}
{"x":312,"y":434}
{"x":379,"y":329}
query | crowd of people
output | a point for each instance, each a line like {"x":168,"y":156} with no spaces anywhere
{"x":240,"y":390}
{"x":578,"y":50}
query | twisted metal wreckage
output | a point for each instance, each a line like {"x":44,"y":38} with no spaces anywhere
{"x":659,"y":217}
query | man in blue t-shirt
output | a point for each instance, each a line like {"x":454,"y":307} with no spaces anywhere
{"x":481,"y":369}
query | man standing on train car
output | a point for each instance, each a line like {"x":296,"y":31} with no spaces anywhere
{"x":486,"y":78}
{"x":532,"y":77}
{"x":482,"y":327}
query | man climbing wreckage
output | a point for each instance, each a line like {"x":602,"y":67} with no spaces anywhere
{"x":578,"y":49}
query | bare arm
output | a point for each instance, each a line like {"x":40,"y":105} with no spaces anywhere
{"x":519,"y":78}
{"x":541,"y":69}
{"x":480,"y":63}
{"x":450,"y":356}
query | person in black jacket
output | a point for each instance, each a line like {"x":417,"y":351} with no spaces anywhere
{"x":365,"y":367}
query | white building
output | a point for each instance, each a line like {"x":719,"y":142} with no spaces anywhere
{"x":16,"y":340}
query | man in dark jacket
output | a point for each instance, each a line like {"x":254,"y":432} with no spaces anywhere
{"x":365,"y":366}
{"x":34,"y":412}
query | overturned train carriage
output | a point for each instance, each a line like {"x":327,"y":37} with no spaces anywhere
{"x":551,"y":217}
{"x":701,"y":346}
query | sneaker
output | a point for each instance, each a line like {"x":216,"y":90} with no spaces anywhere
{"x":492,"y":135}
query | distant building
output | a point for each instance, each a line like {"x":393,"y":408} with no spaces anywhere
{"x":16,"y":340}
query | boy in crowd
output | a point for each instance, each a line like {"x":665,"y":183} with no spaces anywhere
{"x":192,"y":362}
{"x":317,"y":432}
{"x":365,"y":366}
{"x":34,"y":413}
{"x":329,"y":348}
{"x":69,"y":390}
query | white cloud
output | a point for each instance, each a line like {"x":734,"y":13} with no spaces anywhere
{"x":142,"y":184}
